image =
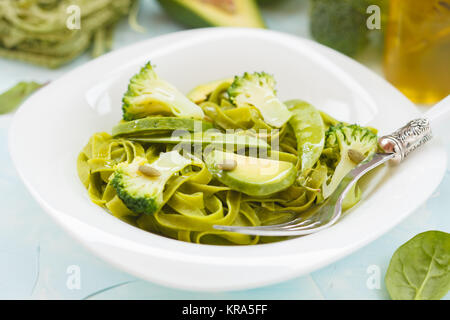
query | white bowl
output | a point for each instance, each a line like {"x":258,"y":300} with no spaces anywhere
{"x":51,"y":128}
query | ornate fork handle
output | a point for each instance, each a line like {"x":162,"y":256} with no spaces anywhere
{"x":407,"y":139}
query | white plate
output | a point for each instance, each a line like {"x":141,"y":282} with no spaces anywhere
{"x":53,"y":125}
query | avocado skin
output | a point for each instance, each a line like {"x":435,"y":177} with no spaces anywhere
{"x":184,"y":15}
{"x":156,"y":124}
{"x":205,"y":139}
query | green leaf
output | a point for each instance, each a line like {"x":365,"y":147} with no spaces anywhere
{"x":420,"y":269}
{"x":12,"y":98}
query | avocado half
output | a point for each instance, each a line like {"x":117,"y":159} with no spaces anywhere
{"x":252,"y":176}
{"x":210,"y":13}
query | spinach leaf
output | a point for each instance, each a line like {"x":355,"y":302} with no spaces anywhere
{"x":12,"y":98}
{"x":420,"y":269}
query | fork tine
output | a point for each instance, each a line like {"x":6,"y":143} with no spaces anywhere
{"x":304,"y":227}
{"x":288,"y":226}
{"x":266,"y":232}
{"x":298,"y":226}
{"x":297,"y":221}
{"x":275,"y":230}
{"x":285,"y":224}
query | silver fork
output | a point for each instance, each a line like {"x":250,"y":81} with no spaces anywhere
{"x":396,"y":145}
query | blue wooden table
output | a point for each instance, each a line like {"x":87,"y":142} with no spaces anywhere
{"x":38,"y":260}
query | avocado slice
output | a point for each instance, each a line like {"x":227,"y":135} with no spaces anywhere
{"x":158,"y":125}
{"x":205,"y":138}
{"x":252,"y":176}
{"x":210,"y":13}
{"x":202,"y":92}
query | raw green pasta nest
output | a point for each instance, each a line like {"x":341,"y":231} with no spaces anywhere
{"x":36,"y":31}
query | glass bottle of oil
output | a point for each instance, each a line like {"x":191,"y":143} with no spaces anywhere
{"x":417,"y":49}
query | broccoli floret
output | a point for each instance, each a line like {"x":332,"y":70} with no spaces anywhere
{"x":340,"y":25}
{"x":258,"y":90}
{"x":147,"y":94}
{"x":345,"y":147}
{"x":141,"y":192}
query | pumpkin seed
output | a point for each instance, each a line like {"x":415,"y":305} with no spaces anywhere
{"x":149,"y":171}
{"x":227,"y":165}
{"x":356,"y":156}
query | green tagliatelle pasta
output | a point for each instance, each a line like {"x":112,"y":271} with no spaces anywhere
{"x":193,"y":200}
{"x":45,"y":32}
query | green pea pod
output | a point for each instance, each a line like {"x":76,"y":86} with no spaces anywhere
{"x":309,"y":130}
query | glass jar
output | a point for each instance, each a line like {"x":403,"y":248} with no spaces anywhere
{"x":417,"y":49}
